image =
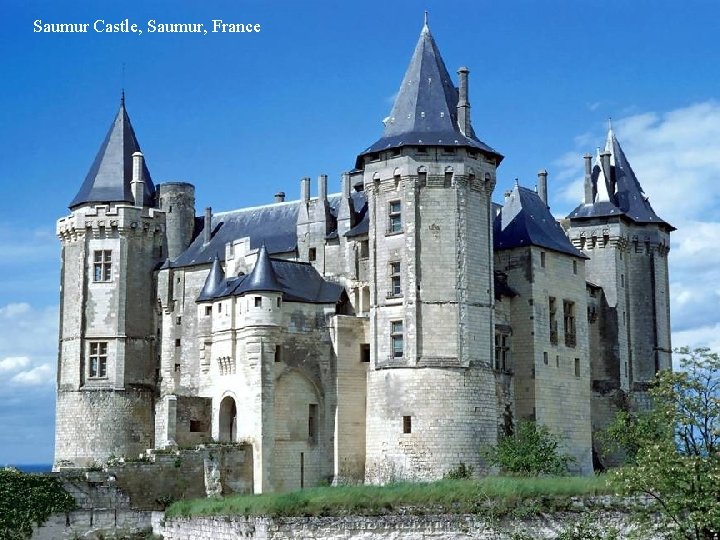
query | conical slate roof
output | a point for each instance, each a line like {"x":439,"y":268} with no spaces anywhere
{"x":262,"y":277}
{"x":425,"y":109}
{"x":617,"y":191}
{"x":525,"y":220}
{"x":214,"y":283}
{"x":111,"y":173}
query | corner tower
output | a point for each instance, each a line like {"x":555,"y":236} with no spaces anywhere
{"x":429,"y":181}
{"x":627,"y":244}
{"x":111,"y":243}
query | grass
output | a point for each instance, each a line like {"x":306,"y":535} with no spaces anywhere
{"x":496,"y":495}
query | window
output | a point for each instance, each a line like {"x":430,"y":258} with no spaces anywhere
{"x":542,"y":259}
{"x":395,"y":217}
{"x":208,"y":311}
{"x":102,"y":265}
{"x":577,"y":367}
{"x":220,"y":307}
{"x":569,"y":322}
{"x":178,"y":320}
{"x":574,"y":267}
{"x":557,"y":360}
{"x":177,"y":342}
{"x":502,"y":351}
{"x":396,"y":336}
{"x":545,"y":358}
{"x":312,"y":422}
{"x":278,"y":353}
{"x":312,"y":254}
{"x":258,"y":301}
{"x":279,"y":302}
{"x":364,"y":249}
{"x":552,"y":310}
{"x":98,"y":359}
{"x":395,"y":285}
{"x":365,"y":352}
{"x":622,"y":280}
{"x":407,"y":424}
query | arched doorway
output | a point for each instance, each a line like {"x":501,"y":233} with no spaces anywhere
{"x":228,"y":420}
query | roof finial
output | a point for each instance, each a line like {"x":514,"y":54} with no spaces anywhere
{"x":426,"y":28}
{"x":609,"y":123}
{"x":122,"y":86}
{"x":122,"y":97}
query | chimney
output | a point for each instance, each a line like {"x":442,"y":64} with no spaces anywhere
{"x":207,"y":232}
{"x":588,"y":179}
{"x":346,"y":185}
{"x":305,"y":189}
{"x":280,"y":196}
{"x":322,"y":187}
{"x":542,"y":186}
{"x":463,"y":106}
{"x":605,"y":160}
{"x":137,"y":185}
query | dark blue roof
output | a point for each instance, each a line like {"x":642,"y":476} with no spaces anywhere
{"x":297,"y":281}
{"x":214,"y":283}
{"x":525,"y":220}
{"x":262,"y":278}
{"x":111,"y":173}
{"x":425,"y":109}
{"x":274,"y":225}
{"x":625,"y":195}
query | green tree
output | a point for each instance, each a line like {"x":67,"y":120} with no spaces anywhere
{"x":673,"y":449}
{"x":531,"y":450}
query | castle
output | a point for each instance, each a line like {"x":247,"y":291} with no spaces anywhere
{"x":385,"y":332}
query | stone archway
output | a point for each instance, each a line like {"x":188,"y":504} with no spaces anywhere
{"x":227,"y":422}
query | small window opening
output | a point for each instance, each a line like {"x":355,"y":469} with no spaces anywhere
{"x":220,"y":307}
{"x":421,"y":150}
{"x":177,"y":342}
{"x":364,"y":249}
{"x":542,"y":259}
{"x":577,"y":367}
{"x":312,"y":422}
{"x":312,"y":254}
{"x":278,"y":353}
{"x":365,"y":352}
{"x":395,"y":284}
{"x":258,"y":301}
{"x":396,"y":336}
{"x":557,"y":360}
{"x":545,"y":358}
{"x":407,"y":424}
{"x":177,"y":368}
{"x":279,"y":301}
{"x":575,"y":267}
{"x":208,"y":311}
{"x":178,"y":320}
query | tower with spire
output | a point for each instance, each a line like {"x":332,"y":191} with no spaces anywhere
{"x":627,"y":244}
{"x":111,"y":242}
{"x":429,"y":182}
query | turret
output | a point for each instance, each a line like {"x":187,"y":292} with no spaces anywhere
{"x":112,"y":242}
{"x":177,"y":200}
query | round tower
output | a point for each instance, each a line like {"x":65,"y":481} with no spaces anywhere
{"x":111,"y":243}
{"x":177,"y":200}
{"x":431,"y":398}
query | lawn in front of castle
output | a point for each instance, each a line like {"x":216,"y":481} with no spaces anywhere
{"x":499,"y":495}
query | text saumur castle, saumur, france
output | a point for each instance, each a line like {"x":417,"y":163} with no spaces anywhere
{"x":388,"y":331}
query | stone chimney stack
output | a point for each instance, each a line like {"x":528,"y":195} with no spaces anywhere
{"x":588,"y":179}
{"x":542,"y":186}
{"x":137,"y":185}
{"x":280,"y":197}
{"x":346,"y":185}
{"x":322,"y":187}
{"x":207,"y":229}
{"x":463,"y":107}
{"x":605,"y":160}
{"x":305,"y":190}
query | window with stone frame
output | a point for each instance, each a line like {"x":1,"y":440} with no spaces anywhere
{"x":552,"y":312}
{"x":397,"y":339}
{"x":569,"y":323}
{"x":97,"y":359}
{"x":395,"y":280}
{"x":364,"y":249}
{"x":394,"y":217}
{"x":102,"y":265}
{"x":502,"y":351}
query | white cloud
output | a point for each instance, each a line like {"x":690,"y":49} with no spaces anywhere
{"x":40,"y":375}
{"x":15,"y":309}
{"x":13,"y":363}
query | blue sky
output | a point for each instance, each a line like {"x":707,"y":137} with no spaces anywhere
{"x":245,"y":115}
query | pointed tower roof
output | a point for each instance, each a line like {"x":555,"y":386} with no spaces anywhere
{"x":525,"y":220}
{"x":425,"y":109}
{"x":263,"y":277}
{"x":214,"y":283}
{"x":111,"y":173}
{"x":618,"y":191}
